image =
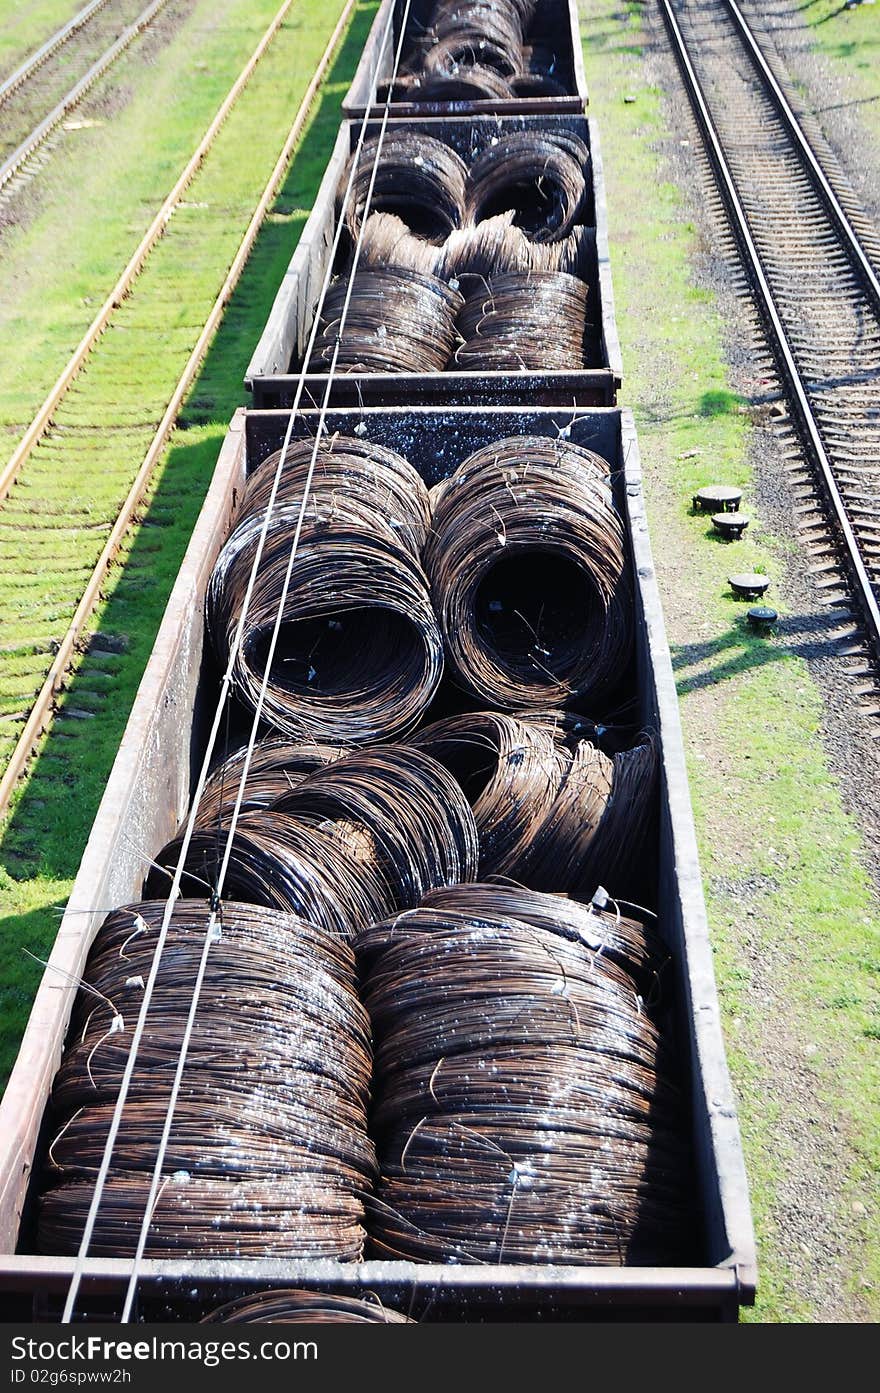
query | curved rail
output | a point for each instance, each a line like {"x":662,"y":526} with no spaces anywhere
{"x":800,"y":400}
{"x":41,"y":710}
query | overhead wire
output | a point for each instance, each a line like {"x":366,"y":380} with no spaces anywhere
{"x":174,"y":892}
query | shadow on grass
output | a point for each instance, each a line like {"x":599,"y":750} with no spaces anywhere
{"x":47,"y":832}
{"x":741,"y":649}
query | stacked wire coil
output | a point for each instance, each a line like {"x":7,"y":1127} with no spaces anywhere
{"x":293,"y":1306}
{"x":505,"y":319}
{"x":539,"y":175}
{"x":388,"y":320}
{"x":414,"y":176}
{"x":528,"y":574}
{"x":476,"y":50}
{"x":525,"y":1105}
{"x":510,"y":222}
{"x":268,"y":1153}
{"x":359,"y":655}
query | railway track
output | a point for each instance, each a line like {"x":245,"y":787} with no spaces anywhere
{"x":39,"y":95}
{"x":811,"y":261}
{"x":54,"y":505}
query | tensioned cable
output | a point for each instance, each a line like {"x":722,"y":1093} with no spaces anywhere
{"x":225,"y":688}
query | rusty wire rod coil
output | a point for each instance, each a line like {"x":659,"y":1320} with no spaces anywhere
{"x":419,"y":178}
{"x":525,"y":320}
{"x":279,"y":862}
{"x":275,"y":767}
{"x":386,"y":241}
{"x":359,"y":655}
{"x":344,"y":467}
{"x":296,"y":1306}
{"x":529,"y":575}
{"x":526,"y":1106}
{"x":468,"y":83}
{"x":540,"y":175}
{"x":398,"y":320}
{"x":510,"y":772}
{"x":462,"y":45}
{"x":414,"y":817}
{"x":496,"y":246}
{"x":262,"y":1160}
{"x":633,"y":944}
{"x":623,"y":853}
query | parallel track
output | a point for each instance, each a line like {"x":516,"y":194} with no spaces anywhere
{"x":38,"y":96}
{"x":41,"y":709}
{"x":813,"y":277}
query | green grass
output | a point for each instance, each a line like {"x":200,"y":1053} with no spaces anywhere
{"x":43,"y":842}
{"x":90,"y":206}
{"x":769,"y":816}
{"x":25,"y":25}
{"x":850,"y":36}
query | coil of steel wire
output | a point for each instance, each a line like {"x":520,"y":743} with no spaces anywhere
{"x":622,"y":854}
{"x":293,"y":1306}
{"x":529,"y":575}
{"x":397,"y":320}
{"x":359,"y":655}
{"x":554,"y":858}
{"x":418,"y":178}
{"x":279,"y":862}
{"x":414,"y":815}
{"x":268,"y":1152}
{"x":505,"y":322}
{"x":465,"y":84}
{"x":275,"y":767}
{"x":496,"y":247}
{"x":635,"y":946}
{"x":345,"y":468}
{"x":536,"y":77}
{"x":526,"y":1107}
{"x":510,"y":772}
{"x":464,"y":44}
{"x":540,"y":175}
{"x":386,"y":241}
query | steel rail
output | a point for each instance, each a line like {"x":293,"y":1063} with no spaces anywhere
{"x":51,"y":46}
{"x":43,"y":417}
{"x":40,"y":133}
{"x":855,"y":565}
{"x":819,"y":177}
{"x":41,"y":710}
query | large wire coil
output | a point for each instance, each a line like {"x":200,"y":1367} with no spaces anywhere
{"x":417,"y":177}
{"x":268,"y":1152}
{"x":407,"y":807}
{"x":509,"y":770}
{"x":505,"y":322}
{"x":398,"y":320}
{"x":359,"y":655}
{"x":279,"y":862}
{"x":274,"y":767}
{"x":526,"y":1108}
{"x":295,"y":1306}
{"x":539,"y":175}
{"x":529,"y":575}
